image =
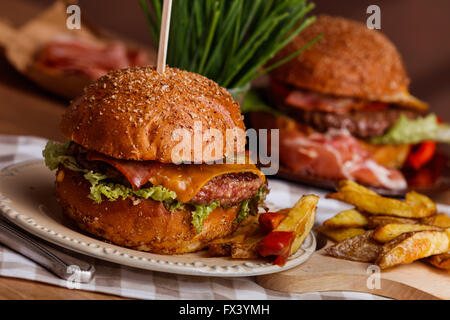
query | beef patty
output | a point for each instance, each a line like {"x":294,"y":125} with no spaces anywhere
{"x":228,"y":189}
{"x":363,"y":124}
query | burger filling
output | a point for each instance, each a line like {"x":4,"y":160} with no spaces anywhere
{"x":201,"y":193}
{"x":338,"y":137}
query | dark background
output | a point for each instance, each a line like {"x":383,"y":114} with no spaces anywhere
{"x":419,"y":28}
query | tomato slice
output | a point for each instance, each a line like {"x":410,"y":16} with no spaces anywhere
{"x":421,"y":154}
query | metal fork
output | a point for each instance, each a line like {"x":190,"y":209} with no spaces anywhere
{"x":59,"y":261}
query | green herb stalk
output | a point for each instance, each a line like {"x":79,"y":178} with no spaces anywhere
{"x":229,"y":41}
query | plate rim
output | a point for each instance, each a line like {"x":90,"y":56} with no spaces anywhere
{"x":123,"y":256}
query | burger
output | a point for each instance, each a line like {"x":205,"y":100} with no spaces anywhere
{"x":123,"y":177}
{"x":344,"y":110}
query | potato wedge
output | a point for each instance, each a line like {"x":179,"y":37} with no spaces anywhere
{"x":219,"y":249}
{"x":247,"y":249}
{"x":440,"y":220}
{"x":413,"y":246}
{"x":441,"y":261}
{"x":353,"y":186}
{"x":299,"y":215}
{"x":391,"y":231}
{"x":415,"y":205}
{"x":361,"y":248}
{"x":340,"y":234}
{"x":347,"y":219}
{"x":223,"y":247}
{"x":378,"y":221}
{"x":304,"y":232}
{"x":416,"y":199}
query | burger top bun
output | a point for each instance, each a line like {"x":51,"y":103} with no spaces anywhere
{"x":134,"y":113}
{"x":349,"y":60}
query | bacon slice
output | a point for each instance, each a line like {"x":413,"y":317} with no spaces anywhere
{"x":136,"y":172}
{"x":71,"y":54}
{"x":335,"y":155}
{"x":314,"y":101}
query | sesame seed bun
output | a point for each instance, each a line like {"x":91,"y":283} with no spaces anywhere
{"x":349,"y":60}
{"x":142,"y":225}
{"x":132,"y":114}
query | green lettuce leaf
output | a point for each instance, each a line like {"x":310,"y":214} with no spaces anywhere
{"x":200,"y":213}
{"x":173,"y":206}
{"x":55,"y":154}
{"x":415,"y":131}
{"x":254,"y":102}
{"x":244,"y":211}
{"x":113,"y":191}
{"x":252,"y":204}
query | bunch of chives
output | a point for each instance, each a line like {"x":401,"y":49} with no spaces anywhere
{"x":229,"y":41}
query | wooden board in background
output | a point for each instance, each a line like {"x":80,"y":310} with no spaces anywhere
{"x":415,"y":281}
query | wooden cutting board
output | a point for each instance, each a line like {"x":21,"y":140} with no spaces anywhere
{"x":415,"y":281}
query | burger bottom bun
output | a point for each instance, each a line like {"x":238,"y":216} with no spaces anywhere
{"x":144,"y":225}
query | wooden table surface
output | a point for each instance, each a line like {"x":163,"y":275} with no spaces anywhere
{"x":25,"y":109}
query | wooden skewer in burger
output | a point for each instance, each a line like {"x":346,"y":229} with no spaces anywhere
{"x":116,"y":177}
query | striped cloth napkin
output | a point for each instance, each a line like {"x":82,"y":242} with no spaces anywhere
{"x":141,"y":284}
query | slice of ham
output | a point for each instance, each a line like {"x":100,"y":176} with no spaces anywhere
{"x":137,"y":173}
{"x":92,"y":59}
{"x":314,"y":101}
{"x":335,"y":155}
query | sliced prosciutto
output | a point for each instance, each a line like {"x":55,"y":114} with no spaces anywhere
{"x":335,"y":155}
{"x":71,"y":54}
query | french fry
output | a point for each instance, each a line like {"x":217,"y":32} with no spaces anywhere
{"x":281,"y":242}
{"x":415,"y":205}
{"x":389,"y":232}
{"x":378,"y":221}
{"x":441,"y":261}
{"x":413,"y":246}
{"x":340,"y":234}
{"x":360,"y":248}
{"x":347,"y":219}
{"x":440,"y":220}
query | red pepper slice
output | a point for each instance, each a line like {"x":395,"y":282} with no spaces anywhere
{"x":270,"y":220}
{"x":277,"y":243}
{"x":421,"y":154}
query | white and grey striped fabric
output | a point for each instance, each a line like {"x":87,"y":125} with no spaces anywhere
{"x":141,"y":284}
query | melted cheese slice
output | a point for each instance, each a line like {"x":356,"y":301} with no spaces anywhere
{"x":185,"y":180}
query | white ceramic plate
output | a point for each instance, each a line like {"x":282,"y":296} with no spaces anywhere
{"x":27,"y":199}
